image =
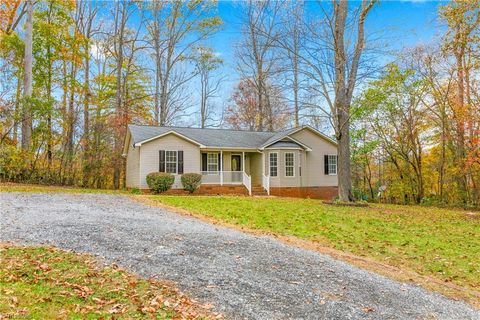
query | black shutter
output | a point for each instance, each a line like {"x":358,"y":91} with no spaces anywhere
{"x":325,"y":161}
{"x":204,"y":162}
{"x":219,"y":161}
{"x":180,"y":161}
{"x":161,"y":166}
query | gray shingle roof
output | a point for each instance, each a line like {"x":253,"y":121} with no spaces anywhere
{"x":220,"y":138}
{"x":207,"y":137}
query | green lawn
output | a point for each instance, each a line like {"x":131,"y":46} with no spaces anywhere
{"x":435,"y":242}
{"x":18,"y":187}
{"x":47,"y":283}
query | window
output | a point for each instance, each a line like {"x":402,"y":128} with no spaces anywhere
{"x":273,"y":164}
{"x":171,"y":161}
{"x":332,"y":164}
{"x":289,"y":164}
{"x":212,"y":162}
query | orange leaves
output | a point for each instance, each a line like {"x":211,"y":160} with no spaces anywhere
{"x":8,"y":13}
{"x":74,"y":285}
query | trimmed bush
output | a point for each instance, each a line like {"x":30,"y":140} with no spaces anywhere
{"x":160,"y":181}
{"x":191,"y":181}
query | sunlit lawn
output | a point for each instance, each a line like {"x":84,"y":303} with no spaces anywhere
{"x":441,"y":243}
{"x":47,"y":283}
{"x":17,"y":187}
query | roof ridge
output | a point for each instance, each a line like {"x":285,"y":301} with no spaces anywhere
{"x":215,"y":129}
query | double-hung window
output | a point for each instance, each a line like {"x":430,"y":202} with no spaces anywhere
{"x":171,"y":161}
{"x":273,"y":164}
{"x":332,"y":164}
{"x":212,"y":162}
{"x":289,"y":164}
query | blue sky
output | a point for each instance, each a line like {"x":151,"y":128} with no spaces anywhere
{"x":405,"y":24}
{"x":401,"y":23}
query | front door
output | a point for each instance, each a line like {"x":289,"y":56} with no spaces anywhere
{"x":236,"y":162}
{"x":236,"y":166}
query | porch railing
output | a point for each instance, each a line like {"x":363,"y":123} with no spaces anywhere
{"x":227,"y":177}
{"x":247,"y":182}
{"x":222,"y":177}
{"x":266,"y":183}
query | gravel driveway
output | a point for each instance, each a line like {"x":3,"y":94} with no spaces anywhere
{"x":243,"y":276}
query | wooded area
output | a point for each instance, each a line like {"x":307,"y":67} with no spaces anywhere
{"x":73,"y":74}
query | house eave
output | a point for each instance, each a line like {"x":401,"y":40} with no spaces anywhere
{"x":138,"y":144}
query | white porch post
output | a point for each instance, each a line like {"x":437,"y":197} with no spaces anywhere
{"x":243,"y":161}
{"x":221,"y":167}
{"x":263,"y":162}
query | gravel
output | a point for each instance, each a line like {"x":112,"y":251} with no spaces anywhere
{"x":241,"y":275}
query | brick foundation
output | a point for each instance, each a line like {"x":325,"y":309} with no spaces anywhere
{"x":212,"y":189}
{"x":323,"y":193}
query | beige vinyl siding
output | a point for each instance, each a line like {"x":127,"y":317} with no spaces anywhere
{"x":313,"y":172}
{"x":149,"y":157}
{"x":133,"y":165}
{"x":281,"y":180}
{"x":256,"y":170}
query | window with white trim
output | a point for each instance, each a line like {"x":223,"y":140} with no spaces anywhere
{"x":212,"y":162}
{"x":171,"y":161}
{"x":273,"y":164}
{"x":332,"y":164}
{"x":289,"y":164}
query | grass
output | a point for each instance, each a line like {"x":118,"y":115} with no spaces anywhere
{"x":439,"y":243}
{"x":48,"y":283}
{"x":17,"y":187}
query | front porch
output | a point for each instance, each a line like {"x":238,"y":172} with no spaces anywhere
{"x":233,"y":167}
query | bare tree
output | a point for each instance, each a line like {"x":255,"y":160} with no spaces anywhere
{"x":331,"y":58}
{"x":292,"y":34}
{"x":205,"y":65}
{"x":344,"y":85}
{"x":176,"y":28}
{"x":258,"y":59}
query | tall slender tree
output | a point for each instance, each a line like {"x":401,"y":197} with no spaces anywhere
{"x":27,"y":78}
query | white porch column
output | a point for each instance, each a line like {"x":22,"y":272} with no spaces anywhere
{"x":263,"y":162}
{"x":243,"y":161}
{"x":221,"y":167}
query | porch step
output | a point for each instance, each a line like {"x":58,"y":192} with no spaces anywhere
{"x":259,"y":191}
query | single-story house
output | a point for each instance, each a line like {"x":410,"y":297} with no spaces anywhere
{"x":298,"y":162}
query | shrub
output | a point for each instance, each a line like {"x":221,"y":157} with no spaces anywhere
{"x":160,"y":181}
{"x":191,"y":181}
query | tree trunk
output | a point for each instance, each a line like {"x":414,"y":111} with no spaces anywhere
{"x":27,"y":73}
{"x":461,"y":117}
{"x":86,"y":119}
{"x":344,"y":174}
{"x":17,"y":111}
{"x":117,"y":161}
{"x":158,"y":66}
